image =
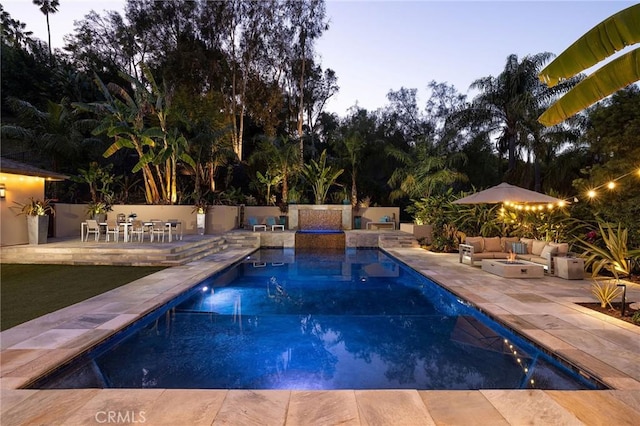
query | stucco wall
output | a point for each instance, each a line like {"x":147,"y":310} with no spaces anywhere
{"x":13,"y":227}
{"x":219,"y":218}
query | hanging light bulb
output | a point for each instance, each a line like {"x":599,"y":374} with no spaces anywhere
{"x":611,"y":185}
{"x":591,"y":193}
{"x":562,"y":203}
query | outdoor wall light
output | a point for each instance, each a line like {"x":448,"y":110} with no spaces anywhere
{"x":3,"y":190}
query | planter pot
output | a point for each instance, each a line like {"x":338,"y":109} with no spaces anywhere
{"x":100,"y":217}
{"x":38,"y":228}
{"x":200,"y":223}
{"x":357,"y":222}
{"x":283,"y":221}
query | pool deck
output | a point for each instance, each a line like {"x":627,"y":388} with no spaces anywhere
{"x":543,"y":310}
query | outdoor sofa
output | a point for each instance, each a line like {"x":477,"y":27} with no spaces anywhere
{"x":541,"y":252}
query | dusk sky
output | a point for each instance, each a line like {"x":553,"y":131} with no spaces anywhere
{"x":378,"y":46}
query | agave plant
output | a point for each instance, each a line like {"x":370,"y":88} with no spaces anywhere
{"x":614,"y":257}
{"x":605,"y":292}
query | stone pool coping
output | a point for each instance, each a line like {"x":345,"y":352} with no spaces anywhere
{"x":543,"y":310}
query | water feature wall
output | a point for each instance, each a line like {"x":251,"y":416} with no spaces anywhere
{"x":315,"y":220}
{"x":334,"y":240}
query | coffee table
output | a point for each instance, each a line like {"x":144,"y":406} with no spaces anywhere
{"x":517,"y":269}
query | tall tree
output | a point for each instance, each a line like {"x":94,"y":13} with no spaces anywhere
{"x":48,"y":7}
{"x":505,"y":101}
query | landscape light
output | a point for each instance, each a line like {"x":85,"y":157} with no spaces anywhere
{"x":3,"y":190}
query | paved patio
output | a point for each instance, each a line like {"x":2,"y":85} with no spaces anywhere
{"x":544,"y":310}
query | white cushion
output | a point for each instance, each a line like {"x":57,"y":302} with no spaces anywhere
{"x":548,"y":251}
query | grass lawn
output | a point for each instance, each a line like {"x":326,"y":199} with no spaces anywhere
{"x":30,"y":291}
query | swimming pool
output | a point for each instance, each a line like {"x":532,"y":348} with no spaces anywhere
{"x":282,"y":319}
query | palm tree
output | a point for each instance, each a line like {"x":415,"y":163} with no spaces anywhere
{"x":609,"y":36}
{"x":48,"y":7}
{"x":282,"y":159}
{"x":55,"y":133}
{"x":504,"y":101}
{"x":426,"y":168}
{"x":320,"y":176}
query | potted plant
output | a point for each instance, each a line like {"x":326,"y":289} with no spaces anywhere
{"x":200,"y":209}
{"x":284,"y":209}
{"x":37,"y":213}
{"x":98,"y":211}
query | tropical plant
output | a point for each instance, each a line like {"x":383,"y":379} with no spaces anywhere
{"x":427,"y":168}
{"x":98,"y":207}
{"x":605,"y":292}
{"x":614,"y":256}
{"x":282,"y":159}
{"x":320,"y":176}
{"x":635,"y":318}
{"x":609,"y":36}
{"x":35,"y":207}
{"x":269,"y":181}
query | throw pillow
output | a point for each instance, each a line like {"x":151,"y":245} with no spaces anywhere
{"x":563,"y":248}
{"x":548,"y":251}
{"x":506,"y":243}
{"x":492,"y":244}
{"x":528,"y":242}
{"x":519,"y":248}
{"x":476,"y":242}
{"x":537,"y":247}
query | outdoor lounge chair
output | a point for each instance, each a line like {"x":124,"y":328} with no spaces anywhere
{"x":254,"y":223}
{"x":271,"y":221}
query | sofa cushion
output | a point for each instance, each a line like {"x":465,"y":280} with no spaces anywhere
{"x":492,"y":244}
{"x":528,"y":242}
{"x":476,"y":242}
{"x":537,"y":247}
{"x":563,"y":248}
{"x":519,"y":248}
{"x":506,"y":243}
{"x":549,"y":251}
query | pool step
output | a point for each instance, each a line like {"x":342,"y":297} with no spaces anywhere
{"x":124,"y":254}
{"x":242,"y":239}
{"x":397,"y":240}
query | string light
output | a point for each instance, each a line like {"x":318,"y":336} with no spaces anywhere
{"x":591,"y":194}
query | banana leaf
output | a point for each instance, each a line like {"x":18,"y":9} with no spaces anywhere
{"x":611,"y":35}
{"x":612,"y":77}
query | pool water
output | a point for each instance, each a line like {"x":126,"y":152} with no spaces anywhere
{"x":281,"y":319}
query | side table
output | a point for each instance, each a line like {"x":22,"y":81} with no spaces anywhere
{"x":570,"y":268}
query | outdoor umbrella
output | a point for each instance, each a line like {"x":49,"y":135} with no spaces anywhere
{"x":505,"y":192}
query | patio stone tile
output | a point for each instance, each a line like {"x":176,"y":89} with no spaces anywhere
{"x":546,"y":322}
{"x":129,"y":405}
{"x":14,"y":358}
{"x":87,"y":340}
{"x":623,"y":360}
{"x":631,"y":398}
{"x":87,"y":321}
{"x":548,"y":341}
{"x":624,"y":383}
{"x":516,"y":321}
{"x":530,"y":407}
{"x":196,"y":407}
{"x":323,"y":408}
{"x":120,"y":307}
{"x":392,"y":407}
{"x":12,"y":383}
{"x":118,"y":322}
{"x":50,"y":339}
{"x":249,"y":407}
{"x":42,"y":364}
{"x":592,"y":364}
{"x":528,"y":297}
{"x":47,"y":407}
{"x":624,"y":338}
{"x":11,"y":397}
{"x":595,"y":407}
{"x":446,"y":408}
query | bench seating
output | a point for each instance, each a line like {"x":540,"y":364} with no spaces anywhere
{"x":476,"y":249}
